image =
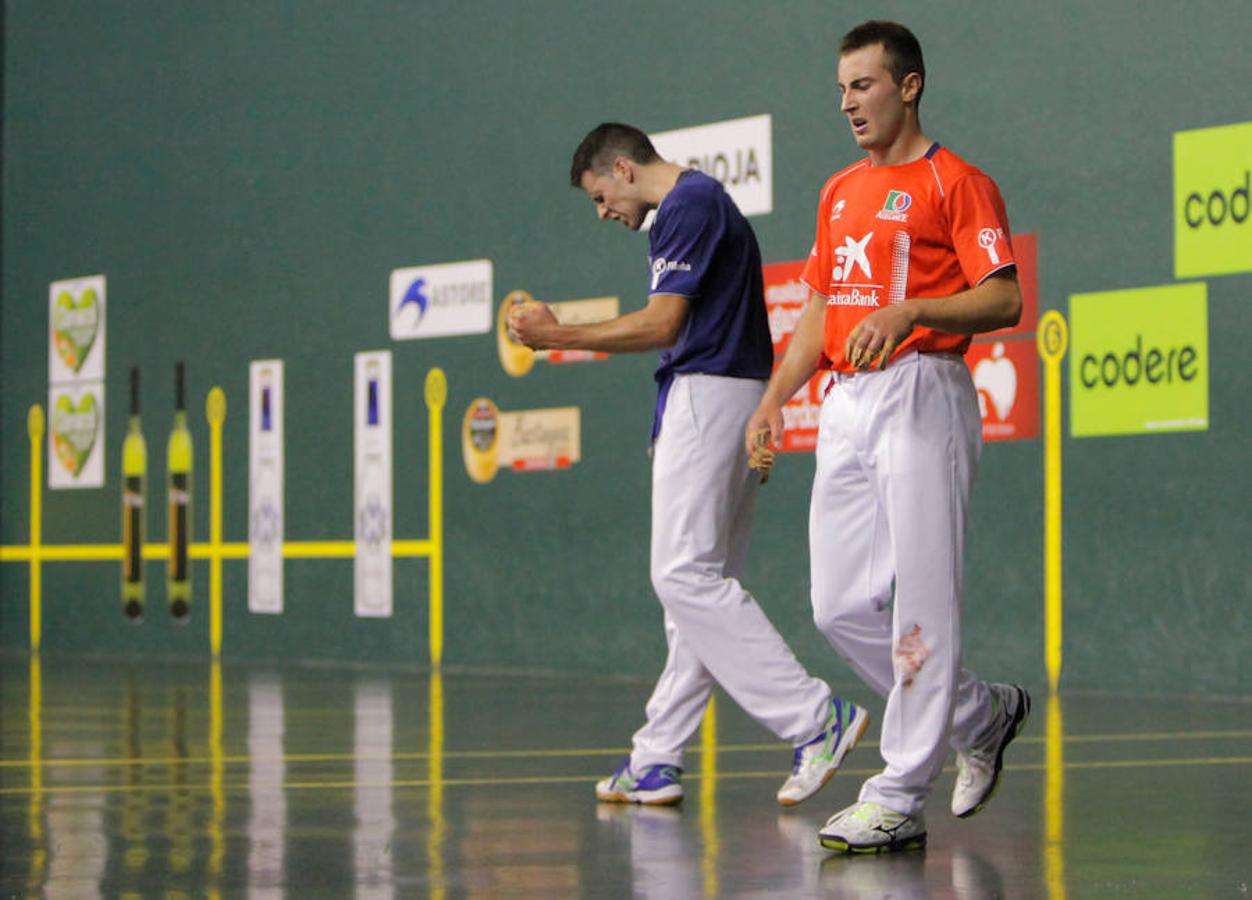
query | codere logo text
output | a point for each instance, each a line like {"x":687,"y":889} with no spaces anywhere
{"x":1213,"y":201}
{"x":1139,"y":360}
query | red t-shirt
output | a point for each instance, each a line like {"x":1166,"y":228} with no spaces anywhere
{"x":930,"y":228}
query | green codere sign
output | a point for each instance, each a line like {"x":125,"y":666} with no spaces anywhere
{"x":1213,"y":201}
{"x":1139,"y":361}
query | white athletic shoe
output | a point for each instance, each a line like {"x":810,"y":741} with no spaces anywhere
{"x":867,"y":827}
{"x":816,"y":762}
{"x":654,"y":786}
{"x":978,"y":769}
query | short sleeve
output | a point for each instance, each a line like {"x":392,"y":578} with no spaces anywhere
{"x":816,"y":272}
{"x":683,"y":242}
{"x":980,"y":227}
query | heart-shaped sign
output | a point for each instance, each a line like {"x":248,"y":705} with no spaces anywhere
{"x":74,"y":430}
{"x":996,"y":377}
{"x":75,"y":325}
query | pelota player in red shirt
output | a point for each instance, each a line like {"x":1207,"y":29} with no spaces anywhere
{"x":912,"y":256}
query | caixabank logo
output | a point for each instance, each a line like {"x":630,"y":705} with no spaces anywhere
{"x":1213,"y":201}
{"x":1139,"y":361}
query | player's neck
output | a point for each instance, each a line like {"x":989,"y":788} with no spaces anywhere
{"x":657,"y":180}
{"x":910,"y":145}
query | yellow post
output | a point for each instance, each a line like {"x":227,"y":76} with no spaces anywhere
{"x":436,"y":397}
{"x":215,"y":412}
{"x":35,"y":428}
{"x":1052,"y":338}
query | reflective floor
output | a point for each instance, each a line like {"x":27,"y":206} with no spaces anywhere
{"x":186,"y":780}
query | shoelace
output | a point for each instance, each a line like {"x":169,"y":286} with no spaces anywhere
{"x":866,"y":812}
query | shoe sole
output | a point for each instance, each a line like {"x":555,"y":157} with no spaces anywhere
{"x":916,"y":842}
{"x":1019,"y":721}
{"x":622,"y":797}
{"x":845,"y":746}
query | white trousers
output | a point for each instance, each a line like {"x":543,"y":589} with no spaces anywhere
{"x":896,"y":457}
{"x":703,"y":497}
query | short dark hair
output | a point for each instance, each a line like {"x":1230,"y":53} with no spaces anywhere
{"x":901,"y":47}
{"x":605,"y":143}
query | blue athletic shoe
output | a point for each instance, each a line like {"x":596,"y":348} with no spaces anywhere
{"x":816,"y":762}
{"x":655,"y":785}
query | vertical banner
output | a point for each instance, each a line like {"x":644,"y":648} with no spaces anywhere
{"x":1005,"y":364}
{"x":266,"y":467}
{"x":786,"y":297}
{"x":76,"y":382}
{"x":373,"y":502}
{"x":76,"y":435}
{"x":76,"y":330}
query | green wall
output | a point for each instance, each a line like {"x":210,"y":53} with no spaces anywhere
{"x":247,"y":176}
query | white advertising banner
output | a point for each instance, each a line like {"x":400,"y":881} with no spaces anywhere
{"x":266,"y":468}
{"x":373,"y":500}
{"x":441,"y":300}
{"x":76,"y":320}
{"x":737,"y":152}
{"x":76,"y":435}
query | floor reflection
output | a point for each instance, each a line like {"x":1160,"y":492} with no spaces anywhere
{"x":434,"y":799}
{"x":187,"y":780}
{"x":708,"y":797}
{"x":373,"y":795}
{"x":267,"y":801}
{"x":1054,"y":800}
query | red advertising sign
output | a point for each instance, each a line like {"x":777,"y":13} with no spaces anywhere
{"x":1006,"y":376}
{"x":1026,"y":253}
{"x":1005,"y":363}
{"x":785,"y":299}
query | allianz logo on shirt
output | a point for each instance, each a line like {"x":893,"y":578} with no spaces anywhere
{"x":661,"y":265}
{"x":895,"y":206}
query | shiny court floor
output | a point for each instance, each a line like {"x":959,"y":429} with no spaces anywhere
{"x":190,"y":780}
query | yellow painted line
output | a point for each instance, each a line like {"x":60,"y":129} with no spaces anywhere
{"x":574,"y":779}
{"x":237,"y":550}
{"x":241,"y":759}
{"x":412,"y":548}
{"x":1052,"y":339}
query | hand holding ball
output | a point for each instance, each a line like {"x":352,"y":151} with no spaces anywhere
{"x":528,"y":319}
{"x":762,"y":457}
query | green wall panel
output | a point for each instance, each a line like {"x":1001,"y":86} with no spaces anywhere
{"x":247,"y":176}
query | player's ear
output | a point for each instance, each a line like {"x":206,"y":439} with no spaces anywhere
{"x":623,"y":168}
{"x":911,"y":87}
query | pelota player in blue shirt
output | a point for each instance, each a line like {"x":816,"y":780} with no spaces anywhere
{"x":706,"y":314}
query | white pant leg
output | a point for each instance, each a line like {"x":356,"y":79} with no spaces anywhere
{"x":899,"y":448}
{"x":676,"y":707}
{"x":850,"y":556}
{"x":702,"y":504}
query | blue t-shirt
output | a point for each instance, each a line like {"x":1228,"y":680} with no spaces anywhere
{"x":703,"y":248}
